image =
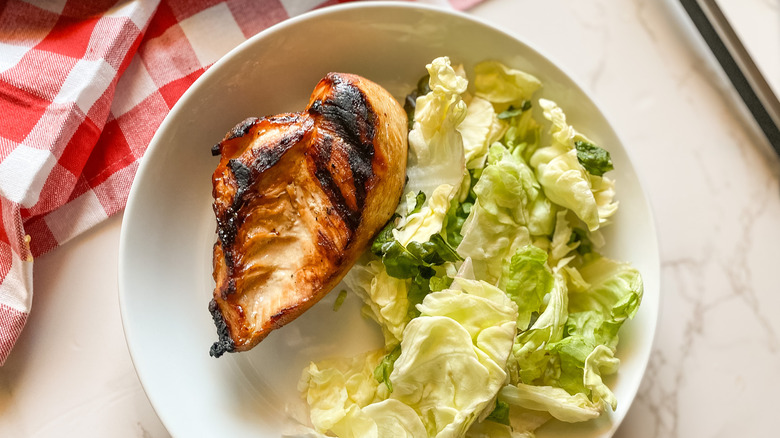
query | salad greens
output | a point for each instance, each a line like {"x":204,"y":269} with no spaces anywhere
{"x":498,"y":312}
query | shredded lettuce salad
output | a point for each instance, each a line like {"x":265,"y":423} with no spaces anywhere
{"x":498,"y":312}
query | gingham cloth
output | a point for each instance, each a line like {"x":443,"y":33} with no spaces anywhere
{"x":84,"y":85}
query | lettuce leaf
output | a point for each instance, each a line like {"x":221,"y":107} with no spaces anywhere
{"x":509,"y":208}
{"x":336,"y":389}
{"x":587,"y":350}
{"x":498,"y":83}
{"x":385,"y":298}
{"x":582,"y":366}
{"x":394,"y":419}
{"x":453,"y":356}
{"x":600,"y":362}
{"x":479,"y":129}
{"x":530,"y":357}
{"x":526,"y":279}
{"x":593,"y":158}
{"x":523,"y":133}
{"x":614,"y":296}
{"x":436,"y":154}
{"x":385,"y":368}
{"x":421,"y":225}
{"x":559,"y":403}
{"x":565,"y":181}
{"x":523,"y":423}
{"x":561,"y":246}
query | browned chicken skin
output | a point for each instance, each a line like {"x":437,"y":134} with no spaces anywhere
{"x":298,"y":198}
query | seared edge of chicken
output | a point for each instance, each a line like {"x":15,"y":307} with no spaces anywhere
{"x":298,"y":198}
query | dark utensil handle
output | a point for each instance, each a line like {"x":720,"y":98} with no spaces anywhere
{"x":747,"y":79}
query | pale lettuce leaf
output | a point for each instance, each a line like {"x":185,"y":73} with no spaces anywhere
{"x":453,"y":356}
{"x":479,"y":129}
{"x":559,"y":403}
{"x":498,"y":83}
{"x":564,"y":179}
{"x":560,"y":246}
{"x":395,"y":419}
{"x":600,"y":362}
{"x":523,"y":423}
{"x":336,"y":390}
{"x":385,"y":298}
{"x":420,"y":226}
{"x":436,"y":154}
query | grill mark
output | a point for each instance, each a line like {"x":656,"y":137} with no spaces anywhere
{"x":323,"y":173}
{"x":284,"y":119}
{"x":242,"y":128}
{"x":239,"y":130}
{"x":242,"y":174}
{"x":225,"y":343}
{"x":348,"y":114}
{"x":329,"y":248}
{"x":360,"y":161}
{"x":268,"y":157}
{"x":229,"y":290}
{"x":227,"y":228}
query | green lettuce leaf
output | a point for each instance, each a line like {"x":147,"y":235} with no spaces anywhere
{"x":385,"y":368}
{"x":514,"y":112}
{"x":384,"y":236}
{"x":526,"y":279}
{"x":587,"y":350}
{"x":417,"y":259}
{"x":530,"y":357}
{"x":614,"y":296}
{"x":459,"y":211}
{"x":510,"y":207}
{"x":523,"y":133}
{"x":582,"y":366}
{"x":500,"y":413}
{"x":571,"y":354}
{"x":593,"y":158}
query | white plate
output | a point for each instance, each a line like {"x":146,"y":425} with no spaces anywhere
{"x":168,"y":230}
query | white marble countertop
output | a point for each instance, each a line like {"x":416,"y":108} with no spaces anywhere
{"x":711,"y":178}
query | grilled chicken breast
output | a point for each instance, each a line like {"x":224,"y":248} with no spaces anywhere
{"x":298,"y":198}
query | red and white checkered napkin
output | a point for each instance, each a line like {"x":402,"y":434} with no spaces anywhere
{"x":83,"y":88}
